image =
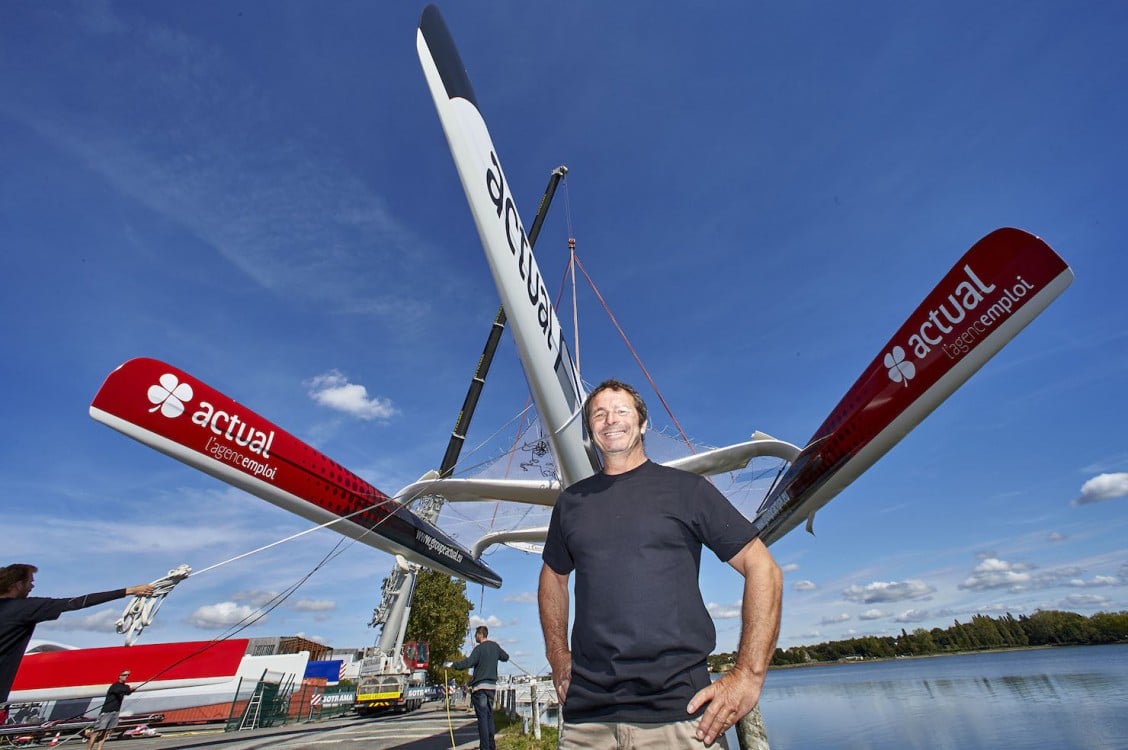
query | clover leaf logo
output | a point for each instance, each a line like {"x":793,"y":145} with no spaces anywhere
{"x":900,"y":371}
{"x":169,"y":396}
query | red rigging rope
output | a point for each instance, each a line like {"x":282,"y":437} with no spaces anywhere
{"x":573,"y":263}
{"x":634,"y":354}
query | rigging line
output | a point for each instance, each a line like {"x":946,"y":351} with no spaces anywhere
{"x":513,"y":449}
{"x":634,"y":354}
{"x":575,"y":306}
{"x":247,"y":621}
{"x":572,"y":268}
{"x":277,"y":601}
{"x":365,"y":509}
{"x":515,"y":418}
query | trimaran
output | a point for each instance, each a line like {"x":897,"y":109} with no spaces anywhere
{"x":1002,"y":283}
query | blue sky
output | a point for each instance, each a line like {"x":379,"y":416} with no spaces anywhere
{"x":261,"y":195}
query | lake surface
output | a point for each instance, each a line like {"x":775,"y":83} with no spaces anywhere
{"x":1073,"y":698}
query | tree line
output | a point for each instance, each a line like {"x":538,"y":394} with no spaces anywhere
{"x":981,"y":633}
{"x":441,"y":615}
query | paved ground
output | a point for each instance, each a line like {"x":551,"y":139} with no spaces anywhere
{"x":425,"y":729}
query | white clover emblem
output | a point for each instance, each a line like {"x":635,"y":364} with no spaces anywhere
{"x":169,"y":396}
{"x":900,"y":371}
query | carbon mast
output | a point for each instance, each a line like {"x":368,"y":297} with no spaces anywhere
{"x":391,"y":678}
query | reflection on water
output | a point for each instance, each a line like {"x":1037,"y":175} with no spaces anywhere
{"x":1019,"y":700}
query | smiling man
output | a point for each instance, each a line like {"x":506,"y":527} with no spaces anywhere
{"x":636,"y":674}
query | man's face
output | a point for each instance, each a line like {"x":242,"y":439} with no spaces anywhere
{"x":123,"y":676}
{"x":23,"y":589}
{"x":614,"y":423}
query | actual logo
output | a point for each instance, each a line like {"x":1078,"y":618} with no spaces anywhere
{"x":900,"y":370}
{"x":169,"y":395}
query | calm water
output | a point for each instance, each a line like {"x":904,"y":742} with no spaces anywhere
{"x":1049,"y":699}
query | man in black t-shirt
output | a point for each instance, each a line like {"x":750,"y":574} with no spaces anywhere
{"x":636,"y":674}
{"x":20,"y":613}
{"x":111,"y":708}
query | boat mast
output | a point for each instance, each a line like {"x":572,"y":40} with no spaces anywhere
{"x":399,"y":587}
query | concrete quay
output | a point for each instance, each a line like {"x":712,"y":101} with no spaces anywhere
{"x":424,"y":729}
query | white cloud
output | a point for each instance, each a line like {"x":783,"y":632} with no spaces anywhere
{"x":912,"y":615}
{"x":102,"y":621}
{"x":256,"y":597}
{"x":835,"y":619}
{"x":1085,"y":601}
{"x":1056,"y":536}
{"x":334,"y":390}
{"x":789,"y":568}
{"x":525,"y":597}
{"x":222,"y":615}
{"x":804,"y":586}
{"x":888,"y":591}
{"x":311,"y":637}
{"x":1095,"y":581}
{"x":993,"y":573}
{"x":315,"y":605}
{"x":723,"y":611}
{"x":871,"y":614}
{"x":492,"y":621}
{"x":1103,"y":487}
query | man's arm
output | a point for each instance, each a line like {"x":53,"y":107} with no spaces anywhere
{"x":93,"y":600}
{"x":552,"y":599}
{"x":734,"y":695}
{"x":469,"y":661}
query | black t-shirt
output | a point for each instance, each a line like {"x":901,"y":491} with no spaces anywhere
{"x":114,"y":696}
{"x":641,"y":632}
{"x":18,"y":618}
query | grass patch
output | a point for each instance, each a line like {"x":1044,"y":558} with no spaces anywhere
{"x":509,"y":735}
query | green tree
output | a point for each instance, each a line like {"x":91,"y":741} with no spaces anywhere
{"x":1110,"y":627}
{"x":986,"y":632}
{"x":440,"y":615}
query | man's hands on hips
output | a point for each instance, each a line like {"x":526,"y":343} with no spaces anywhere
{"x":561,"y":663}
{"x":730,"y":699}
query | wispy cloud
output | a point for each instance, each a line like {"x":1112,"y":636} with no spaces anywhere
{"x":315,"y":605}
{"x":525,"y":597}
{"x":102,"y":621}
{"x":994,"y":573}
{"x":888,"y":591}
{"x":723,"y":611}
{"x":295,"y":222}
{"x":255,"y":598}
{"x":1085,"y":601}
{"x":1096,"y":581}
{"x":913,"y":615}
{"x":222,"y":615}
